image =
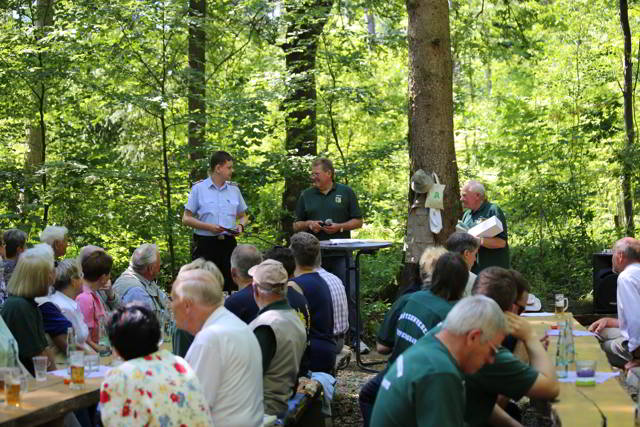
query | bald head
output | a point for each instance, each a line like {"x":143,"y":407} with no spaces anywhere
{"x":200,"y":286}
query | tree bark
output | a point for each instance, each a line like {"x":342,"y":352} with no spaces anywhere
{"x":431,"y":145}
{"x":36,"y":135}
{"x":627,"y":94}
{"x":306,"y":20}
{"x":197,"y":87}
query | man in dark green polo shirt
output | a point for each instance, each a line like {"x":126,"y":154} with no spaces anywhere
{"x":494,"y":251}
{"x":330,"y":210}
{"x":425,"y":386}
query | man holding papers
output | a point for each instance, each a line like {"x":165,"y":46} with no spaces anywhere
{"x":494,"y":250}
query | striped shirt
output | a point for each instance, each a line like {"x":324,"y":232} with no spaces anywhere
{"x":338,"y":301}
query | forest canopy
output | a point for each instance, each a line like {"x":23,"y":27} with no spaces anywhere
{"x":95,"y":121}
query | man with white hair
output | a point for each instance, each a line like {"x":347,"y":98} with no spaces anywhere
{"x":57,"y":238}
{"x":280,"y":332}
{"x":620,"y":338}
{"x":494,"y":251}
{"x":426,"y":385}
{"x":137,"y":282}
{"x":225,"y":353}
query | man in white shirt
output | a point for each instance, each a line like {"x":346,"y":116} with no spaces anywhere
{"x":225,"y":353}
{"x":620,"y":338}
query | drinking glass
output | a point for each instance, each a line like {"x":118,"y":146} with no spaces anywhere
{"x":40,"y":367}
{"x":76,"y":360}
{"x":562,"y":303}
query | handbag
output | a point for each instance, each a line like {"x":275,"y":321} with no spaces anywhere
{"x":435,"y":195}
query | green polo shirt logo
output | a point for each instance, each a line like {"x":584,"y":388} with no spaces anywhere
{"x":338,"y":198}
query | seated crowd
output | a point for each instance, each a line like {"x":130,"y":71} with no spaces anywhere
{"x":238,"y":359}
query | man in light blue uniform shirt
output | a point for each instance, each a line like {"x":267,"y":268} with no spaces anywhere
{"x":216,"y":211}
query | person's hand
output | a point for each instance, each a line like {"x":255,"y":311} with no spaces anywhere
{"x":314,"y":226}
{"x":597,"y":326}
{"x":331,"y":229}
{"x":215,"y":228}
{"x":632,"y":364}
{"x":545,"y":341}
{"x":519,"y":327}
{"x":240,"y":228}
{"x":106,"y":286}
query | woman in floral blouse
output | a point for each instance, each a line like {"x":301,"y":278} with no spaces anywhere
{"x":153,"y":387}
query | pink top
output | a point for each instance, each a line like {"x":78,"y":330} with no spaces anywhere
{"x":92,"y":309}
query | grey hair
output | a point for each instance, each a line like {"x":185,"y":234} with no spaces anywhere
{"x":305,"y":247}
{"x":53,"y":233}
{"x":243,"y":258}
{"x":476,"y":312}
{"x":475,"y":187}
{"x":629,"y":247}
{"x":200,"y":286}
{"x":203,"y":264}
{"x":280,"y":289}
{"x":144,"y":255}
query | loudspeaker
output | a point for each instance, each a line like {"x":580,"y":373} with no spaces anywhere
{"x":605,"y":284}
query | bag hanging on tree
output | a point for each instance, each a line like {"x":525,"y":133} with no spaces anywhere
{"x":435,"y":195}
{"x":435,"y":220}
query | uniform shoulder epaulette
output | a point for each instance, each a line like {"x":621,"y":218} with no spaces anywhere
{"x":198,"y":182}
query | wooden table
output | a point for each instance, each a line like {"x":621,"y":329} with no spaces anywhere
{"x":49,"y":401}
{"x":572,"y":407}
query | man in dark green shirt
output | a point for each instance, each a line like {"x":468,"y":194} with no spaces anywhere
{"x":494,"y":251}
{"x":507,"y":375}
{"x":425,"y":385}
{"x":330,"y":210}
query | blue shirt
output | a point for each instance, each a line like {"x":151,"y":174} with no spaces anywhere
{"x":215,"y":205}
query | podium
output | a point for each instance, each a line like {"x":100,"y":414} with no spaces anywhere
{"x":361,"y":247}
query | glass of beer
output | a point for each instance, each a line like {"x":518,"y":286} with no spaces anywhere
{"x":562,"y":303}
{"x":76,"y":360}
{"x":12,"y":386}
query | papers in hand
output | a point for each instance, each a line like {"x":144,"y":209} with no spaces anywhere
{"x":488,"y":228}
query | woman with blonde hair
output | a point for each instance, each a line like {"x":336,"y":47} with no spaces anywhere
{"x":31,"y":278}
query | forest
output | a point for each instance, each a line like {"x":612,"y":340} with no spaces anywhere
{"x":110,"y":110}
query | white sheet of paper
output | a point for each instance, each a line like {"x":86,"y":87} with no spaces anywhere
{"x":556,"y":332}
{"x":100,"y":373}
{"x":600,"y":377}
{"x":537,"y":314}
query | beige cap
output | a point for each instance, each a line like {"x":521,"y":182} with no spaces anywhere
{"x":269,"y":273}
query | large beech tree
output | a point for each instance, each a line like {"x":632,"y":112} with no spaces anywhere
{"x":431,"y":144}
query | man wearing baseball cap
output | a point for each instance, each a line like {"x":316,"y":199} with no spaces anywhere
{"x":280,"y":333}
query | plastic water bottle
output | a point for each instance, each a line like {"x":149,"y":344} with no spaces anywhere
{"x":571,"y":346}
{"x":561,"y":353}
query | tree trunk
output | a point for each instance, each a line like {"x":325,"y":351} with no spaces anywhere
{"x":627,"y":94}
{"x":431,"y":145}
{"x":306,"y":20}
{"x":36,"y":135}
{"x":197,"y":87}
